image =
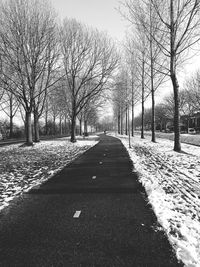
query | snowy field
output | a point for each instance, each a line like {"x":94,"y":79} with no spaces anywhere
{"x":21,"y":168}
{"x":172,"y":182}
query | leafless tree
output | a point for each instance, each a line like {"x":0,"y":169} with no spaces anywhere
{"x":132,"y":69}
{"x":90,"y":111}
{"x":143,"y":70}
{"x":27,"y":39}
{"x":89,"y":59}
{"x":178,"y":21}
{"x":9,"y":106}
{"x":142,"y":16}
{"x":46,"y":84}
{"x":120,"y":98}
{"x":162,"y":116}
{"x":192,"y":92}
{"x":168,"y":104}
{"x":181,"y":25}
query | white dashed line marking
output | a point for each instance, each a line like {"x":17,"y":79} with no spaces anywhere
{"x":77,"y":214}
{"x":104,"y":155}
{"x":94,"y":177}
{"x":100,"y":162}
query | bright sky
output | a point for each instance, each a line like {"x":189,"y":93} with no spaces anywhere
{"x":101,"y":14}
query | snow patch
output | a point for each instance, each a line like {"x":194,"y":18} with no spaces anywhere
{"x":22,"y":168}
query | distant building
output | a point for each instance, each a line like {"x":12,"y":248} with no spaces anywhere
{"x":192,"y":121}
{"x":186,"y":122}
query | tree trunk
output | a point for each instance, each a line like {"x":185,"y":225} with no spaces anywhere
{"x":36,"y":128}
{"x":80,"y":127}
{"x":60,"y":125}
{"x":73,"y":129}
{"x":11,"y":117}
{"x":29,"y":137}
{"x":153,"y":136}
{"x":126,"y":128}
{"x":142,"y":129}
{"x":132,"y":113}
{"x":11,"y":127}
{"x":65,"y":123}
{"x":54,"y":124}
{"x":46,"y":123}
{"x":119,"y":121}
{"x":85,"y":127}
{"x":177,"y":143}
{"x":129,"y":128}
{"x":46,"y":118}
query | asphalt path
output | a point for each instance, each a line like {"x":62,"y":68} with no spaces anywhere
{"x":94,"y":213}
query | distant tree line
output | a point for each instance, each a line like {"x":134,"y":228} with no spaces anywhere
{"x":189,"y":105}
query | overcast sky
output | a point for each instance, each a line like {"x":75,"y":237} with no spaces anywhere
{"x":101,"y":14}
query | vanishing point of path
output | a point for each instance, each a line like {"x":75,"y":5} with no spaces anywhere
{"x":93,"y":213}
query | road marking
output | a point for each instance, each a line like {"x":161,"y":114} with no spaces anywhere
{"x":100,"y":162}
{"x":104,"y":155}
{"x":77,"y":214}
{"x":94,"y":177}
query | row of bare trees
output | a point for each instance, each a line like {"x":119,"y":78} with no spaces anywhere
{"x":47,"y":66}
{"x":162,"y":33}
{"x":189,"y":105}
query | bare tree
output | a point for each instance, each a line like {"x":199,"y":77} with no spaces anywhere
{"x":132,"y":69}
{"x":142,"y":15}
{"x":54,"y":106}
{"x":192,"y":91}
{"x":168,"y":104}
{"x":90,"y":111}
{"x":162,"y":116}
{"x":143,"y":70}
{"x":181,"y":25}
{"x":9,"y":106}
{"x":46,"y":83}
{"x":178,"y":21}
{"x":27,"y":35}
{"x":120,"y":95}
{"x":89,"y":60}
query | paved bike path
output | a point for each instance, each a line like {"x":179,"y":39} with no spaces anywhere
{"x":92,"y":213}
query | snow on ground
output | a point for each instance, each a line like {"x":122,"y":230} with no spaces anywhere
{"x":21,"y":168}
{"x":193,"y":139}
{"x":172,"y":183}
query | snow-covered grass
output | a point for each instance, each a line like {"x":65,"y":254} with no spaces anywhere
{"x":172,"y":183}
{"x":21,"y":168}
{"x":193,"y":139}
